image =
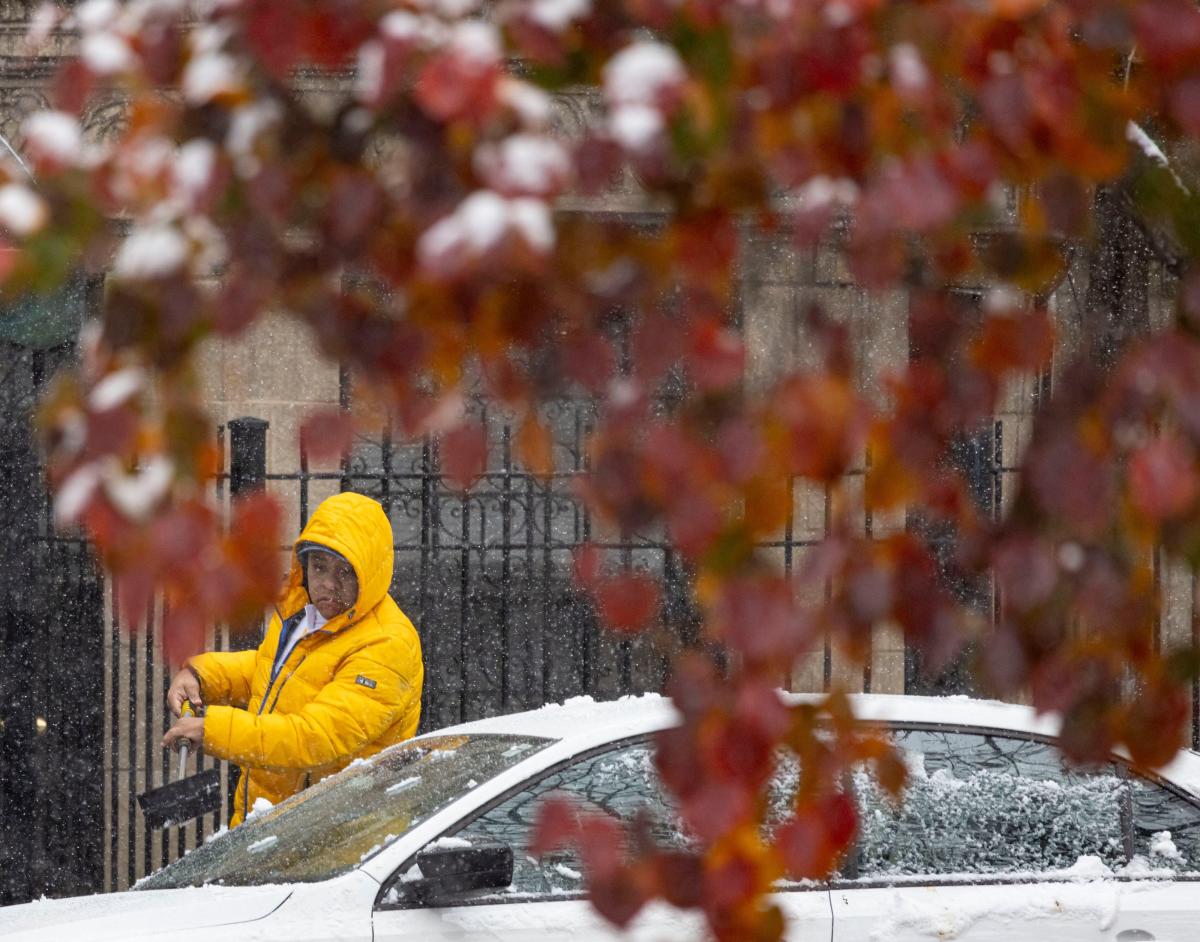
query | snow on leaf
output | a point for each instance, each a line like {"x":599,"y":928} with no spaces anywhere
{"x":74,"y":494}
{"x":136,"y":495}
{"x":106,"y":53}
{"x":481,"y":224}
{"x":532,"y":105}
{"x":22,"y":211}
{"x":524,"y":164}
{"x":636,"y":127}
{"x":557,"y":15}
{"x":211,"y":76}
{"x":116,"y":388}
{"x":193,"y":170}
{"x":53,"y":137}
{"x":642,"y":73}
{"x":157,"y":250}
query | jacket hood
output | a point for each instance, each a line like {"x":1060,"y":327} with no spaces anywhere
{"x":357,"y":529}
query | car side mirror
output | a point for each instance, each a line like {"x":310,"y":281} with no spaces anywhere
{"x":447,"y":870}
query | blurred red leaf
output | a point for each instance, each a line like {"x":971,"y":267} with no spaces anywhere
{"x":1168,"y":31}
{"x":716,"y":358}
{"x":590,"y":360}
{"x":680,"y":878}
{"x":1014,"y":341}
{"x":464,"y":454}
{"x":1185,"y":103}
{"x":535,"y":446}
{"x":1156,"y":724}
{"x":1162,"y":478}
{"x":813,"y":840}
{"x":455,"y":85}
{"x":826,"y":423}
{"x":273,"y":29}
{"x":628,"y":602}
{"x":557,"y":825}
{"x":715,"y":807}
{"x":327,"y":433}
{"x":757,"y":616}
{"x":183,"y":634}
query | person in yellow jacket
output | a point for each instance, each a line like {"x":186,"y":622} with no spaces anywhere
{"x":337,"y":677}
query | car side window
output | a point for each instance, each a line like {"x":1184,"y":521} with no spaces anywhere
{"x":621,"y":782}
{"x":979,"y":803}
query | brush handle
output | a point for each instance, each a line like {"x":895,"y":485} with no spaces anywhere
{"x":185,"y":745}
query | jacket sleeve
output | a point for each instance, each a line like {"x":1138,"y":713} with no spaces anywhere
{"x":343,"y":717}
{"x":224,"y":676}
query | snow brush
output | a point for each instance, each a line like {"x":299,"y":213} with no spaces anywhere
{"x":185,"y":798}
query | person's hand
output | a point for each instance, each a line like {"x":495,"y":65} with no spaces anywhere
{"x":190,"y":728}
{"x":184,"y":686}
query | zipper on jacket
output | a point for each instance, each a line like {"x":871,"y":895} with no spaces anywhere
{"x":263,"y":703}
{"x":285,"y":680}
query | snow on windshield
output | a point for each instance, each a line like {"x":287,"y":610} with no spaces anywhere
{"x":345,"y":819}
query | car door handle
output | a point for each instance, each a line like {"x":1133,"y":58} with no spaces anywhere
{"x":1135,"y":935}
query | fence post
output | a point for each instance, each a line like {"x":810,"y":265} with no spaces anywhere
{"x":247,"y":473}
{"x":247,"y":454}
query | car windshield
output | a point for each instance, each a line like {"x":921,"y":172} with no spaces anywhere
{"x":343,"y":820}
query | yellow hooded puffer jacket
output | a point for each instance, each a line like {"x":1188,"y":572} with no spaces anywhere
{"x":345,"y":691}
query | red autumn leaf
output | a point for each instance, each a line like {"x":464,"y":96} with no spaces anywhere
{"x":134,"y":590}
{"x":731,"y":883}
{"x":1185,"y":103}
{"x":464,"y":454}
{"x":331,"y":32}
{"x":628,"y":602}
{"x":840,"y":817}
{"x":826,"y":422}
{"x":1027,"y":571}
{"x":744,"y":753}
{"x":680,"y":878}
{"x":455,"y":86}
{"x":658,"y":344}
{"x":695,"y":522}
{"x":803,"y":846}
{"x":1162,"y":478}
{"x":757,"y":616}
{"x":178,"y":537}
{"x":354,"y":207}
{"x":715,"y":807}
{"x":272,"y":28}
{"x":590,"y":360}
{"x":619,"y":897}
{"x":326,"y":434}
{"x":716,"y":357}
{"x":601,"y":845}
{"x":183,"y":634}
{"x":535,"y":447}
{"x":557,"y":826}
{"x":587,"y":566}
{"x":1168,"y":31}
{"x":1014,"y":341}
{"x":1156,"y":724}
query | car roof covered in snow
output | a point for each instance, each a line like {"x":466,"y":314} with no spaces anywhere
{"x":589,"y":721}
{"x":583,"y":716}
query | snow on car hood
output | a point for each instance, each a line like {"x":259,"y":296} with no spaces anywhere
{"x":132,"y":915}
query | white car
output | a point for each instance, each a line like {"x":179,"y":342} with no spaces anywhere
{"x":995,"y":840}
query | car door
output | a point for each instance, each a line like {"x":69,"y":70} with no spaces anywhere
{"x":546,"y":898}
{"x":997,"y":840}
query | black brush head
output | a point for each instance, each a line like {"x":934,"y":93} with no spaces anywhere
{"x":181,"y":801}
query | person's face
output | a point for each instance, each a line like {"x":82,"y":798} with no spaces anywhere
{"x":332,"y":585}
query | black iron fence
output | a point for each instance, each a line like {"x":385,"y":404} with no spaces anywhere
{"x":485,"y":575}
